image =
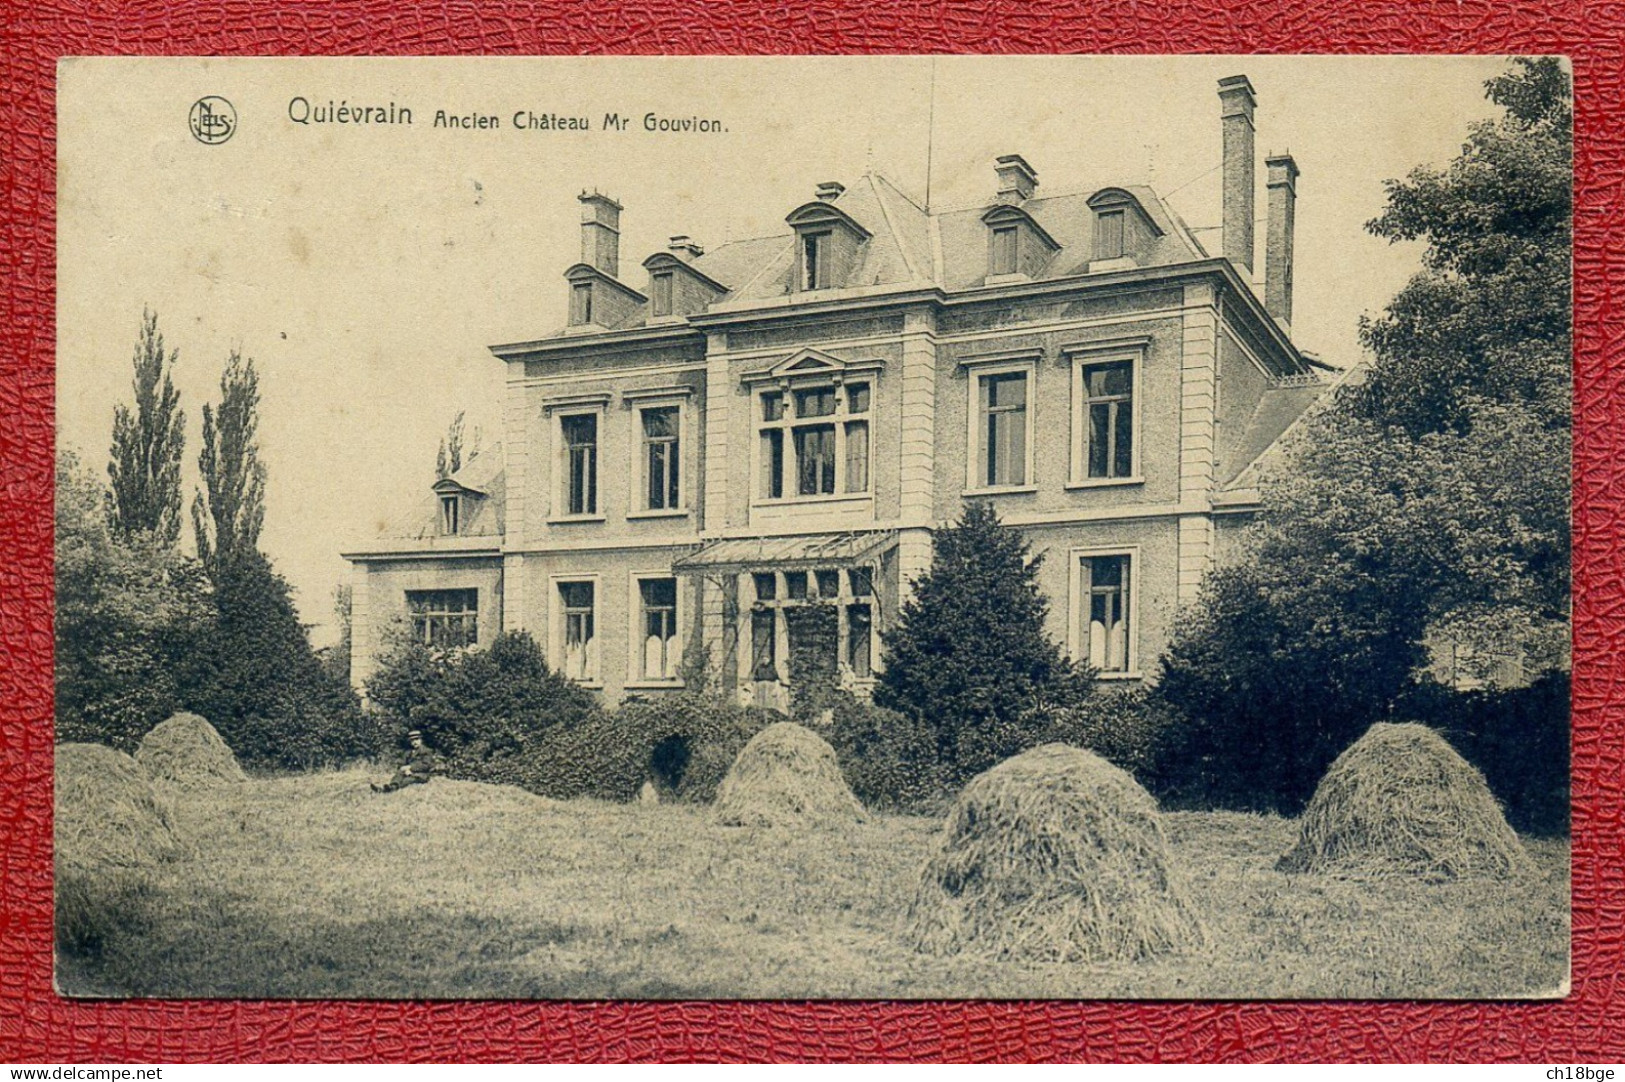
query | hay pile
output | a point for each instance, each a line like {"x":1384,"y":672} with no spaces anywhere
{"x":786,"y":776}
{"x":107,"y":814}
{"x":1052,"y":856}
{"x":186,"y":750}
{"x":1401,"y":802}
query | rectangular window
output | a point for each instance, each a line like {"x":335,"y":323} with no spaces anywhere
{"x":580,"y":463}
{"x":764,"y":649}
{"x":661,"y":458}
{"x":660,"y":294}
{"x":1108,"y":418}
{"x":782,"y":595}
{"x":444,"y":619}
{"x":1104,"y":595}
{"x":859,"y":639}
{"x":815,"y":460}
{"x":814,"y":261}
{"x":659,"y":628}
{"x":1003,"y":256}
{"x":1109,"y":234}
{"x":581,"y":304}
{"x":449,"y":515}
{"x":580,"y":634}
{"x":809,"y":447}
{"x":857,"y":439}
{"x":1004,"y":429}
{"x":773,"y":464}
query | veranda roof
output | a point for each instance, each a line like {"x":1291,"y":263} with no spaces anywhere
{"x":801,"y":550}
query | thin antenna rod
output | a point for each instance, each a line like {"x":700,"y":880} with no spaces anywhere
{"x":930,"y":134}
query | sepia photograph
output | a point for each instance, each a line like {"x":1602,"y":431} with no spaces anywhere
{"x":906,"y":527}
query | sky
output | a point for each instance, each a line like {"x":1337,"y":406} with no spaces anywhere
{"x":367,"y":267}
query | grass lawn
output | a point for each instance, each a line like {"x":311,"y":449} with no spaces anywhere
{"x":313,"y":886}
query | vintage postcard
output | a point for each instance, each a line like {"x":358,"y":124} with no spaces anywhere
{"x":883,"y":528}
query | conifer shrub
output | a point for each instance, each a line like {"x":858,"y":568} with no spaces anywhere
{"x":969,"y":655}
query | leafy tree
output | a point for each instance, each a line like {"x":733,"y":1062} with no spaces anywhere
{"x":130,"y":615}
{"x":472,"y":704}
{"x":336,"y":658}
{"x":968,"y":653}
{"x":1488,"y":317}
{"x":1430,"y":498}
{"x":451,"y":457}
{"x":228,"y":514}
{"x":148,"y":441}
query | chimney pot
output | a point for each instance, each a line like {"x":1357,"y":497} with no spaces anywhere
{"x":830,"y":190}
{"x":1236,"y":104}
{"x":1017,"y":179}
{"x":1281,"y":181}
{"x":600,"y":232}
{"x":685,"y":248}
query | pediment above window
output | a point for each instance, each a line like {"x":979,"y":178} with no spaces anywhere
{"x":812,"y":364}
{"x":1112,"y":198}
{"x":819,"y":214}
{"x":665,"y":261}
{"x":448,"y":486}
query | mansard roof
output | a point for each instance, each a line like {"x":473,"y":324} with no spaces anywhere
{"x":909,"y":247}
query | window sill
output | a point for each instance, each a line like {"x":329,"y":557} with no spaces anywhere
{"x":1001,"y":490}
{"x":839,"y":497}
{"x":1106,"y":482}
{"x":1132,"y":674}
{"x":565,"y":520}
{"x":595,"y":684}
{"x":677,"y":512}
{"x":654,"y":685}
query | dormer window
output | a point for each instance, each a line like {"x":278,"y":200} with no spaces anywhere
{"x":814,"y":261}
{"x":828,"y":245}
{"x":1109,"y":235}
{"x":660,"y":294}
{"x":581,"y":304}
{"x":450,"y":508}
{"x":677,"y":288}
{"x":1002,"y":258}
{"x":1124,"y":231}
{"x":599,"y":301}
{"x":1017,"y":246}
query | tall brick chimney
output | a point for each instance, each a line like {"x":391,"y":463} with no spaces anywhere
{"x":1236,"y":104}
{"x":1281,"y":179}
{"x":600,"y":232}
{"x":1017,"y":179}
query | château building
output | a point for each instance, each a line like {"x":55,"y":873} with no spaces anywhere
{"x":718,"y":438}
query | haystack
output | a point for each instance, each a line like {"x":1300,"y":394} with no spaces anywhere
{"x":786,"y":776}
{"x":1055,"y":855}
{"x":107,"y":814}
{"x":1401,"y":802}
{"x":186,"y":750}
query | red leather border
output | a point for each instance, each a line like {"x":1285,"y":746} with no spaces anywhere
{"x":35,"y":1025}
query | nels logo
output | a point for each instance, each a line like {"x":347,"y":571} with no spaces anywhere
{"x":213,"y":120}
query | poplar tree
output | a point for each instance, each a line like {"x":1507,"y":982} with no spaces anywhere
{"x":228,"y":512}
{"x":144,"y":464}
